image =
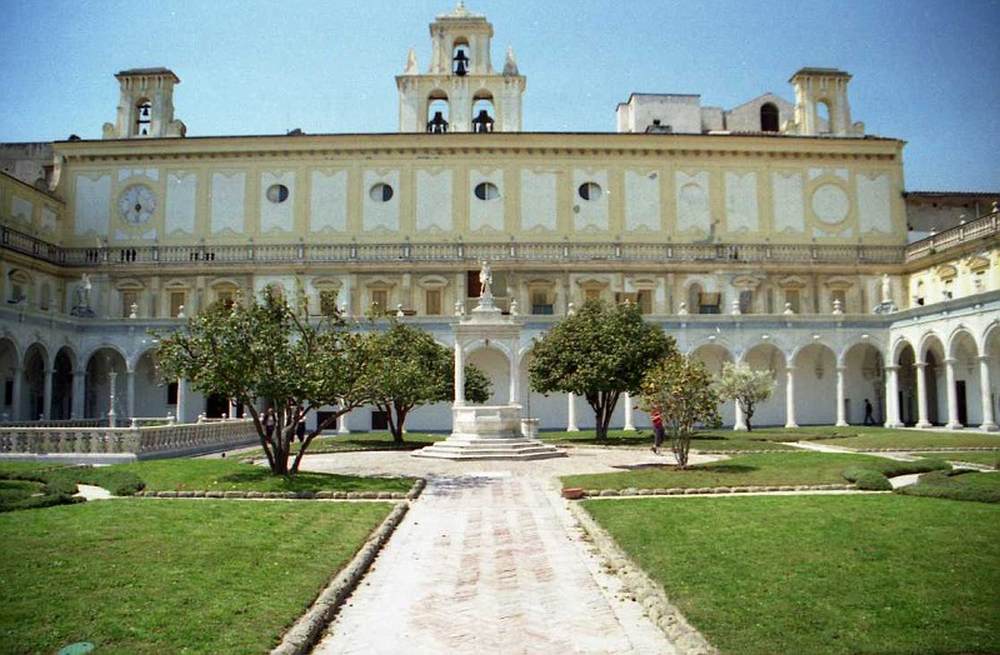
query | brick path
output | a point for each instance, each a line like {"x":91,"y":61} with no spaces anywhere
{"x":489,"y":562}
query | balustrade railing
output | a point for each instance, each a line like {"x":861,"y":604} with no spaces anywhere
{"x":139,"y":441}
{"x":984,"y":226}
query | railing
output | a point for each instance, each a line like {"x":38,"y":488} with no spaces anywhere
{"x":984,"y":226}
{"x":142,"y":442}
{"x":55,"y":423}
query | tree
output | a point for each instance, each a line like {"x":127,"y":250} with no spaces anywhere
{"x":264,"y":351}
{"x":600,"y":352}
{"x":406,"y":368}
{"x":746,"y":386}
{"x":683,"y":392}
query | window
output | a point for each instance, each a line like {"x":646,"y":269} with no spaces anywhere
{"x":176,"y":302}
{"x":919,"y":295}
{"x":644,"y":299}
{"x":768,"y":117}
{"x":143,"y":117}
{"x":487,"y":191}
{"x":839,"y":295}
{"x":823,"y":117}
{"x":590,"y":191}
{"x":225,"y":297}
{"x":541,"y":301}
{"x":708,"y":303}
{"x":949,"y":289}
{"x":381,"y":192}
{"x":380,"y":300}
{"x":277,"y":193}
{"x":591,"y":293}
{"x":437,"y":113}
{"x":792,"y":299}
{"x":482,"y":112}
{"x":46,"y":299}
{"x":746,"y":301}
{"x":432,"y":302}
{"x":129,"y":297}
{"x":380,"y":420}
{"x":328,"y":302}
{"x":172,"y":393}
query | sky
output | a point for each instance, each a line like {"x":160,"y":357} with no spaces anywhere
{"x":926,"y":72}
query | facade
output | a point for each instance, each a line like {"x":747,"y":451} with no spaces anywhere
{"x":776,"y":233}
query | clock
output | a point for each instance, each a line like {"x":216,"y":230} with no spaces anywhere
{"x":137,"y":204}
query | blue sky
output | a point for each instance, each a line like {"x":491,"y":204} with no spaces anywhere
{"x":925,"y":72}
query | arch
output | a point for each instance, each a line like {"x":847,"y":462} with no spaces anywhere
{"x":461,"y":60}
{"x":815,"y":342}
{"x":438,"y":112}
{"x":10,"y":364}
{"x":35,"y":366}
{"x":495,"y":363}
{"x":768,"y":355}
{"x":990,"y":332}
{"x":816,"y":384}
{"x":824,"y":116}
{"x":964,"y":352}
{"x":927,"y":341}
{"x":956,"y":335}
{"x":143,"y":117}
{"x":769,"y":114}
{"x":898,"y":348}
{"x":63,"y":370}
{"x":483,"y":112}
{"x":89,"y":355}
{"x":97,"y":395}
{"x":863,"y":364}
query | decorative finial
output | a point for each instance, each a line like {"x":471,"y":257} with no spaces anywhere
{"x":411,"y":63}
{"x":510,"y":65}
{"x":788,"y":308}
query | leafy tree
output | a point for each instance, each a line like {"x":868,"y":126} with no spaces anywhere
{"x":406,"y":368}
{"x":600,"y":352}
{"x":746,"y":386}
{"x":683,"y":391}
{"x":263,"y":351}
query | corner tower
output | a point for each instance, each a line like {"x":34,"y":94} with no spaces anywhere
{"x":819,"y":89}
{"x":146,"y":105}
{"x":460,"y":92}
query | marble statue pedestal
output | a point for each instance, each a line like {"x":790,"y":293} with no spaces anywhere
{"x":488,"y":432}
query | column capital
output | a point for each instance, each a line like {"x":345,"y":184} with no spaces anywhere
{"x":841,"y":369}
{"x":984,"y":358}
{"x":920,"y":365}
{"x":950,"y":361}
{"x":892,"y":367}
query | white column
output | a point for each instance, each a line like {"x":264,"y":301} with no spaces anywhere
{"x":790,"y":398}
{"x":629,"y":424}
{"x":922,"y":421}
{"x":112,"y":381}
{"x":233,"y":408}
{"x":571,"y":413}
{"x":740,"y":422}
{"x":986,"y":393}
{"x":841,"y":419}
{"x":15,"y":410}
{"x":892,"y":419}
{"x":47,"y":395}
{"x":952,"y":395}
{"x":514,"y":379}
{"x":130,"y":390}
{"x":181,"y":400}
{"x":459,"y":375}
{"x":79,"y":392}
{"x":342,"y":426}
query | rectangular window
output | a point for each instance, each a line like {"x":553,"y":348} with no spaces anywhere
{"x":541,"y":302}
{"x":171,"y":393}
{"x":225,"y":297}
{"x":129,"y":298}
{"x":841,"y":296}
{"x":792,"y":299}
{"x":432,"y":302}
{"x":644,"y":298}
{"x":708,"y":303}
{"x":176,"y":302}
{"x":379,"y":420}
{"x":328,"y":302}
{"x":746,"y":301}
{"x":380,"y":300}
{"x":322,"y":416}
{"x":591,"y":294}
{"x":8,"y":392}
{"x":472,"y":286}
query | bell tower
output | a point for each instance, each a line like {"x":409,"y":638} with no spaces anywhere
{"x":146,"y":105}
{"x":460,"y":92}
{"x":817,"y":88}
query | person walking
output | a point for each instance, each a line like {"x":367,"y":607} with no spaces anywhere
{"x":269,"y":422}
{"x":869,"y":418}
{"x":658,"y":432}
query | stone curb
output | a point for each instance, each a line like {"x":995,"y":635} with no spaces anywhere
{"x":416,"y":489}
{"x":284,"y":495}
{"x":929,"y":450}
{"x":691,"y":491}
{"x":748,"y":452}
{"x":306,"y":631}
{"x":685,"y":637}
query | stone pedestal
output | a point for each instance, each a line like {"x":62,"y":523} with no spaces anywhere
{"x":488,"y":432}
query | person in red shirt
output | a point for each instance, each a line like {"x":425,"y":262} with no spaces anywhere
{"x":658,"y":431}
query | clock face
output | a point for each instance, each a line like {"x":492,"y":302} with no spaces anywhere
{"x":137,"y":204}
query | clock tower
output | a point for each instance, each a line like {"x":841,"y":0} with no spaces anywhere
{"x":460,"y":92}
{"x":146,"y":105}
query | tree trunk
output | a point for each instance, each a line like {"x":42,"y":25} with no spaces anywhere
{"x":397,"y":434}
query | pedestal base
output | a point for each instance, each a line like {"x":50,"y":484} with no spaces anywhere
{"x":488,"y":432}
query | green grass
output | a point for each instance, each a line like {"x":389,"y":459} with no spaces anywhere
{"x":231,"y":475}
{"x":137,"y":577}
{"x":957,"y":485}
{"x":357,"y":441}
{"x":984,"y":457}
{"x":743,"y":470}
{"x":706,"y":440}
{"x":905,"y":439}
{"x":824,"y":575}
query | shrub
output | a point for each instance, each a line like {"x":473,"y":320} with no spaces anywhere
{"x":867,"y":479}
{"x":960,"y":484}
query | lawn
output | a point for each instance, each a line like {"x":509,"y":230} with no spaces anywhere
{"x":984,"y":457}
{"x":231,"y":475}
{"x":957,"y":485}
{"x":744,"y":470}
{"x":825,"y":575}
{"x":184,"y":576}
{"x":706,"y":440}
{"x":905,"y":439}
{"x":358,"y":441}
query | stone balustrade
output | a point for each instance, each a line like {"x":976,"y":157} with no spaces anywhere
{"x":140,"y":442}
{"x":982,"y":227}
{"x":54,"y":423}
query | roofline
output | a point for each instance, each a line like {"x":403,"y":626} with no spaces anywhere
{"x":939,"y":194}
{"x":44,"y":192}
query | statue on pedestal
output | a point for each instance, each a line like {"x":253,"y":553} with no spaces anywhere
{"x":81,"y":306}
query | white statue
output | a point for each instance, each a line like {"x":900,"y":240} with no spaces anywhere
{"x":411,"y":63}
{"x":486,"y":280}
{"x":886,"y":288}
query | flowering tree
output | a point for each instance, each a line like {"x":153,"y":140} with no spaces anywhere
{"x":746,"y":386}
{"x":264,"y":351}
{"x":683,"y":392}
{"x":405,"y":368}
{"x":600,"y":352}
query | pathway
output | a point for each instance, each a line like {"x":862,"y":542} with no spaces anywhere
{"x":489,"y":560}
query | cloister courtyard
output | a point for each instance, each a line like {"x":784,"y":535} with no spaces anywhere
{"x":806,"y":540}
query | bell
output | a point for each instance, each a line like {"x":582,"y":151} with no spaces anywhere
{"x":461,"y":63}
{"x":145,"y":110}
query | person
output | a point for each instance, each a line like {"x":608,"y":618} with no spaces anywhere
{"x":300,"y":431}
{"x":269,"y":422}
{"x":658,"y":432}
{"x":869,"y":419}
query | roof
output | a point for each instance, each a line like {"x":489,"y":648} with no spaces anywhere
{"x":945,"y":194}
{"x":816,"y":70}
{"x":147,"y":72}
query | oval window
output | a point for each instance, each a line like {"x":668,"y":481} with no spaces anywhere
{"x":277,"y":193}
{"x":590,"y":191}
{"x":381,"y":192}
{"x":487,"y":191}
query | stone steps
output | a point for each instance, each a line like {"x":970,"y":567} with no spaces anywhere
{"x":472,"y":448}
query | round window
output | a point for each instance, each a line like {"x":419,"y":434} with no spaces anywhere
{"x":590,"y":191}
{"x":277,"y":193}
{"x":381,"y":192}
{"x":487,"y":191}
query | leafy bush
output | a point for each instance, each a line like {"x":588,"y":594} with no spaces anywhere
{"x":867,"y":479}
{"x":960,"y":484}
{"x":44,"y":486}
{"x":892,"y":468}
